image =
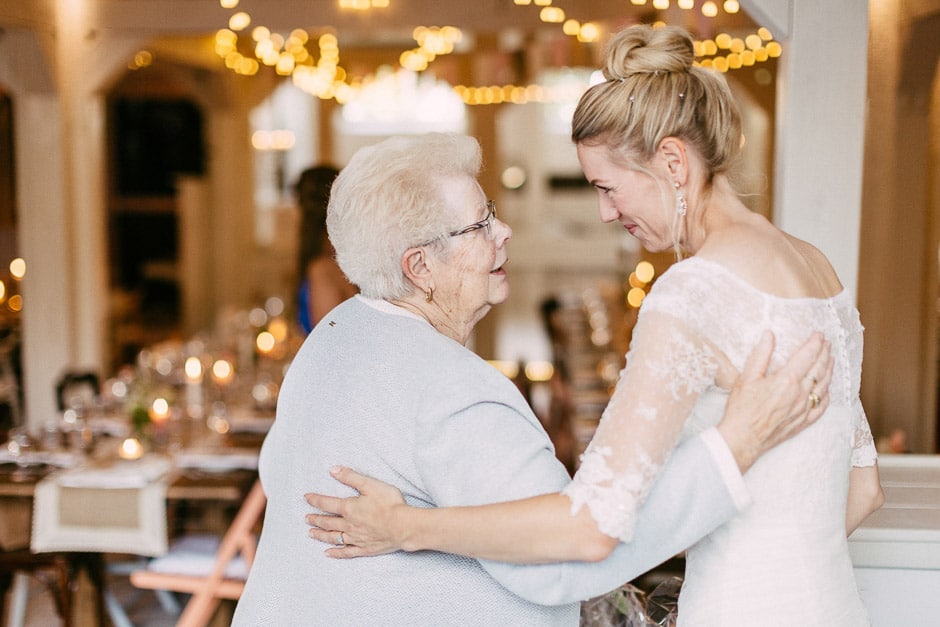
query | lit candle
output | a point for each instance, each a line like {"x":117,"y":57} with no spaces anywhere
{"x":159,"y":411}
{"x":131,"y":449}
{"x":193,"y":370}
{"x":222,"y":372}
{"x":265,"y":342}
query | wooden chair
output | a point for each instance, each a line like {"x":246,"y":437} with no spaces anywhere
{"x":217,"y":582}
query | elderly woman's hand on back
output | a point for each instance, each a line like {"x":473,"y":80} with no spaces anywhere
{"x":367,"y":522}
{"x":765,"y":410}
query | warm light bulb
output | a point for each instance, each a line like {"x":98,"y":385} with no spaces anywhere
{"x":18,"y":268}
{"x":552,"y":15}
{"x":539,"y":370}
{"x":645,"y":271}
{"x":193,"y":368}
{"x":239,"y":21}
{"x":222,"y":371}
{"x":635,"y":297}
{"x":285,"y":64}
{"x":514,"y":176}
{"x":261,"y":140}
{"x":131,"y":449}
{"x":265,"y":342}
{"x":589,"y":32}
{"x":508,"y":368}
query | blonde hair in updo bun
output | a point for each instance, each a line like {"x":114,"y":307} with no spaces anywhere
{"x":654,"y":91}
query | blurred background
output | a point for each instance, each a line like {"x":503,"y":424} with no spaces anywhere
{"x":149,"y":149}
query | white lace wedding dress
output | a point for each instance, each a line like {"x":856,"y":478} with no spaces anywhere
{"x":784,"y":560}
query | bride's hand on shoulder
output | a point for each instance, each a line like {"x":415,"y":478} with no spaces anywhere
{"x":356,"y":526}
{"x":766,"y":409}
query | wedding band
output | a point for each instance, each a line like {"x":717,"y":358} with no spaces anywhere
{"x":813,"y":399}
{"x":341,"y":542}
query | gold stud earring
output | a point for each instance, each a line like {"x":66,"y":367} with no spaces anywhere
{"x":429,"y":295}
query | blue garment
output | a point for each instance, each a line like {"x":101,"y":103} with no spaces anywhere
{"x":304,"y":296}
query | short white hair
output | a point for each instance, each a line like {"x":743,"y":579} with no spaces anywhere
{"x":388,"y":198}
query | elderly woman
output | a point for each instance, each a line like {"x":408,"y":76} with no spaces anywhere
{"x":386,"y":384}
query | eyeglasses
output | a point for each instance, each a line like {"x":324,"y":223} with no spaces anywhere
{"x":486,"y":223}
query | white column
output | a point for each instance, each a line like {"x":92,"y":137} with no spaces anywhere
{"x":61,"y":196}
{"x":821,"y":105}
{"x":49,"y":307}
{"x":89,"y":219}
{"x":86,"y":59}
{"x":47,"y":331}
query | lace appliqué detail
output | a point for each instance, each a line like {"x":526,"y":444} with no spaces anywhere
{"x":612,"y":500}
{"x":864,"y":453}
{"x":638,"y":429}
{"x":687,"y":368}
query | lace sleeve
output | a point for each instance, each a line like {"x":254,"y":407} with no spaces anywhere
{"x":863,"y":451}
{"x":668,"y":367}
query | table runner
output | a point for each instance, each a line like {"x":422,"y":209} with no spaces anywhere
{"x":118,"y":509}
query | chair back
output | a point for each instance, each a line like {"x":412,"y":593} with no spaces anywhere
{"x":208,"y":589}
{"x":76,"y":387}
{"x":240,"y":538}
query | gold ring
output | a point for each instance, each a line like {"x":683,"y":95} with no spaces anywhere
{"x":813,"y":399}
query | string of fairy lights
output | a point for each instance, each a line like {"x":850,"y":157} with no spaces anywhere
{"x":322,"y":75}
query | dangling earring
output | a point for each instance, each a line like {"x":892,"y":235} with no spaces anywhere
{"x":429,"y":295}
{"x":682,"y":205}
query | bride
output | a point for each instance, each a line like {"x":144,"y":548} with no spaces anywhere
{"x":657,"y":140}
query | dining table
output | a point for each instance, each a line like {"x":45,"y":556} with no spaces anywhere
{"x":96,"y":506}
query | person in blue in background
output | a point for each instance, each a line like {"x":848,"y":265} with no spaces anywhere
{"x":321,"y":284}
